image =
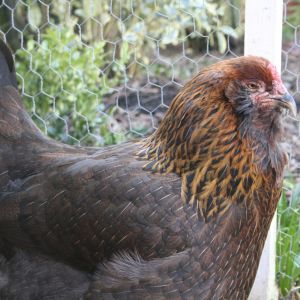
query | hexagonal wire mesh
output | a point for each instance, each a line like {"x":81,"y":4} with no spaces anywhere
{"x":288,"y":237}
{"x":95,"y":74}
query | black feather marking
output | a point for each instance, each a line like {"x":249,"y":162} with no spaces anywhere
{"x":237,"y":151}
{"x":230,"y":132}
{"x":213,"y":111}
{"x":219,"y":201}
{"x":229,"y":141}
{"x":240,"y":198}
{"x":190,"y":178}
{"x":239,"y":159}
{"x":209,"y":205}
{"x":222,"y":174}
{"x":235,"y":183}
{"x":213,"y":130}
{"x":149,"y":166}
{"x":187,"y":133}
{"x":218,"y":191}
{"x":228,"y":149}
{"x":230,"y":191}
{"x":216,"y":160}
{"x":200,"y":186}
{"x":203,"y":150}
{"x":158,"y":152}
{"x":234,"y":172}
{"x":247,"y":183}
{"x":245,"y":169}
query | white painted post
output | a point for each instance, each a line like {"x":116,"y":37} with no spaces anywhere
{"x":263,"y":37}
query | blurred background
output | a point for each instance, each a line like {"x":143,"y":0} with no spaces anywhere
{"x":94,"y":73}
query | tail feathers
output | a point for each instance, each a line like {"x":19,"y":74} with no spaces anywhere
{"x":7,"y":68}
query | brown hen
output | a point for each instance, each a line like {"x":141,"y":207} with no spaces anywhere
{"x":182,"y":214}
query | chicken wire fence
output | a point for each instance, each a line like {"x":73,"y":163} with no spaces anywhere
{"x":101,"y":72}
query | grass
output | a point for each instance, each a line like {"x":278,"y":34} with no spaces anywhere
{"x":288,"y":242}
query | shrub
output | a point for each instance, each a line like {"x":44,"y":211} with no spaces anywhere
{"x":63,"y":84}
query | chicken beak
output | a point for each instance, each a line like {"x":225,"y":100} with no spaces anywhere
{"x":288,"y":102}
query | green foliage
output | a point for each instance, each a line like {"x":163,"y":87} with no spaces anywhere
{"x":288,"y":240}
{"x":64,"y":85}
{"x":292,"y":19}
{"x":170,"y":22}
{"x":144,"y":23}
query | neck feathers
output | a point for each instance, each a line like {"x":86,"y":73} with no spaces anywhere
{"x":219,"y":160}
{"x":264,"y":135}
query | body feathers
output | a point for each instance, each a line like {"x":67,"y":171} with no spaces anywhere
{"x":182,"y":214}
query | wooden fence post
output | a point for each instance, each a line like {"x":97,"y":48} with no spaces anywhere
{"x":263,"y":37}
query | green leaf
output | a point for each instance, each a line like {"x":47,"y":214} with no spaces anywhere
{"x":295,"y":200}
{"x":297,"y":262}
{"x":170,"y":36}
{"x":229,"y":31}
{"x":35,"y":16}
{"x":222,"y":42}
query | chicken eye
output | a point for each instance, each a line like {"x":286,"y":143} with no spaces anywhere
{"x":252,"y":86}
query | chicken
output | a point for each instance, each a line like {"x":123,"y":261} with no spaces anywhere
{"x":182,"y":214}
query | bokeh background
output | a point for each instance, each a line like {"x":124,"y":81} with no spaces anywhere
{"x":94,"y":73}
